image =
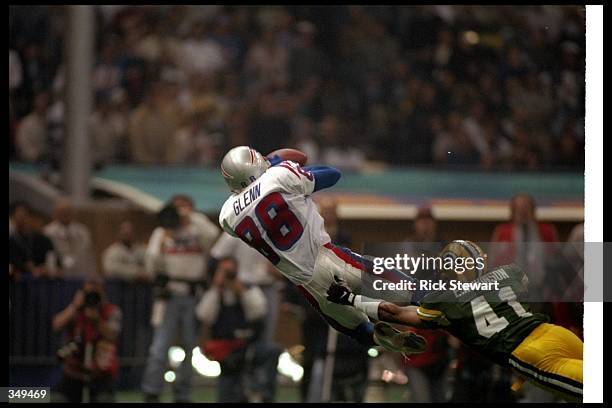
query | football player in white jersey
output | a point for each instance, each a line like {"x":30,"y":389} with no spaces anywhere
{"x":271,"y":210}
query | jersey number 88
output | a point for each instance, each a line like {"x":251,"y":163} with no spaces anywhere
{"x":278,"y":222}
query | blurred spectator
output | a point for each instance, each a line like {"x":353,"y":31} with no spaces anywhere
{"x":176,"y":258}
{"x":449,"y":95}
{"x":334,"y":151}
{"x":452,"y":143}
{"x":427,"y":372}
{"x":108,"y":126}
{"x":424,"y":238}
{"x":523,"y":240}
{"x":267,"y":62}
{"x":107,"y":72}
{"x":200,"y":53}
{"x":15,"y":70}
{"x":234,"y":311}
{"x":425,"y":226}
{"x":72,"y":240}
{"x":575,"y":242}
{"x":31,"y":137}
{"x":194,"y":143}
{"x":92,"y":325}
{"x":305,"y":60}
{"x":303,"y":138}
{"x":31,"y":254}
{"x":15,"y":81}
{"x":255,"y":270}
{"x":152,"y":126}
{"x":570,"y":151}
{"x":269,"y":124}
{"x":124,"y":259}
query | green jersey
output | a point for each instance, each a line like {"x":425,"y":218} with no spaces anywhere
{"x":486,"y":315}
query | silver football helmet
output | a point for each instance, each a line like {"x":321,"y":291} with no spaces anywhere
{"x":241,"y":166}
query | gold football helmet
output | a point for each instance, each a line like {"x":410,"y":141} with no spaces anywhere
{"x":463,"y":260}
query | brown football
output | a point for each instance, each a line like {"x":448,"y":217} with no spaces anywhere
{"x":290,"y":154}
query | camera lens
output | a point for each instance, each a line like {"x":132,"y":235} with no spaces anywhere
{"x":92,"y":299}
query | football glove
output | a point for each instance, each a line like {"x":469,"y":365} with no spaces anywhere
{"x":339,"y":293}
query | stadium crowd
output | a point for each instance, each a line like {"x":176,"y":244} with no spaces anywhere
{"x":489,"y":87}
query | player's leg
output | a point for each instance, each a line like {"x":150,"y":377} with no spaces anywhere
{"x":347,"y":319}
{"x":189,"y":339}
{"x":358,"y":272}
{"x":355,"y":324}
{"x":153,"y":378}
{"x":551,"y":357}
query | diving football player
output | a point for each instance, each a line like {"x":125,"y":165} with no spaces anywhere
{"x":493,"y":322}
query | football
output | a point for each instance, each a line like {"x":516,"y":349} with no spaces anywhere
{"x":290,"y":154}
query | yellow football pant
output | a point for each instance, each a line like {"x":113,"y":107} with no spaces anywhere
{"x":551,"y":357}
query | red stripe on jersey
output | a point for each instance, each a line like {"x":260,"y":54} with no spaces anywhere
{"x":288,"y":167}
{"x":344,"y":256}
{"x":313,"y":302}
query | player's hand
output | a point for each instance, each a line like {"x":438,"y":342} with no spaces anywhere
{"x":339,"y":293}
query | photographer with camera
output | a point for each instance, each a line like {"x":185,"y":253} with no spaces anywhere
{"x":235,"y":312}
{"x":90,"y":358}
{"x":176,"y":259}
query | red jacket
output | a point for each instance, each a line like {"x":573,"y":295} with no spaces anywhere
{"x":505,"y":233}
{"x":105,"y":360}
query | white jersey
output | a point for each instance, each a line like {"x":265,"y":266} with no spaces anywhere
{"x":276,"y":216}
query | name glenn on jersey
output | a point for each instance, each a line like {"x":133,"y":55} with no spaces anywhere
{"x":244,"y":199}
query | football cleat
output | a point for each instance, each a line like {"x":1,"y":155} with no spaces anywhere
{"x":405,"y":343}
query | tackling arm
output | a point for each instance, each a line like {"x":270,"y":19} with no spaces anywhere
{"x":392,"y":313}
{"x":414,"y":316}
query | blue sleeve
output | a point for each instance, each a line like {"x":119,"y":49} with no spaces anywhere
{"x":324,"y":176}
{"x":274,"y":160}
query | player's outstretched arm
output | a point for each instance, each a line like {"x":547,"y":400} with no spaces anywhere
{"x":374,"y":308}
{"x":392,"y":313}
{"x":377,"y":309}
{"x":325,"y":176}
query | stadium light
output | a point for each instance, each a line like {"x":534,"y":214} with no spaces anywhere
{"x":289,"y":367}
{"x":204,"y":366}
{"x":169,"y":376}
{"x":176,"y":355}
{"x":471,"y":37}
